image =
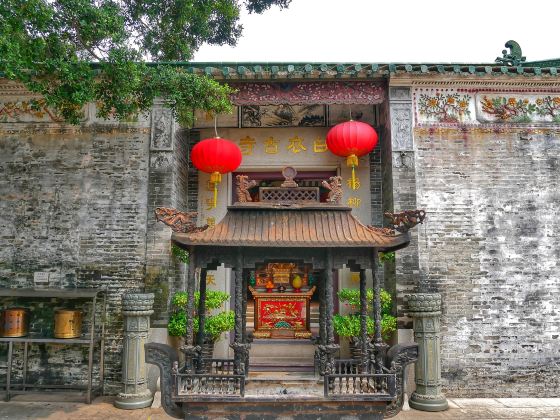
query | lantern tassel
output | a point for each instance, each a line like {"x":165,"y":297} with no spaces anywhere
{"x":352,"y":161}
{"x":215,"y":178}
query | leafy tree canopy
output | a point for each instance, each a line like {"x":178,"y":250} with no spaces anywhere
{"x":77,"y":51}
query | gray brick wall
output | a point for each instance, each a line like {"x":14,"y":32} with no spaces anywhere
{"x":73,"y":202}
{"x":490,"y":247}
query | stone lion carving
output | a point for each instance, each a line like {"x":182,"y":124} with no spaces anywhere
{"x":178,"y":221}
{"x":334,"y":185}
{"x":243,"y":185}
{"x":405,"y":220}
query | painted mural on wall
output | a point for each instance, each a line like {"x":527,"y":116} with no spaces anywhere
{"x":473,"y":107}
{"x":283,"y":115}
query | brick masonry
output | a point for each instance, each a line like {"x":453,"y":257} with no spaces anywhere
{"x":78,"y":202}
{"x":490,"y":247}
{"x":73,"y":202}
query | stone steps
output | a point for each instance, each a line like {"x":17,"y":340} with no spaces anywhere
{"x":282,"y":355}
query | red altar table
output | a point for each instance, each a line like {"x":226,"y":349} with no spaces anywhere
{"x":282,"y":314}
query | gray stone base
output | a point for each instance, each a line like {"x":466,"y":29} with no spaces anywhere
{"x":126,"y":402}
{"x":419,"y":402}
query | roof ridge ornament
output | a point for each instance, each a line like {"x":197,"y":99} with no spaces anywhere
{"x":289,"y":173}
{"x":334,"y":185}
{"x":243,"y":185}
{"x":405,"y":220}
{"x":178,"y":221}
{"x":515,"y":56}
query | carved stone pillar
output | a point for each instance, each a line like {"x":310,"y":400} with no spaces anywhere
{"x":363,"y":322}
{"x":328,"y":350}
{"x":137,"y":308}
{"x":425,"y":308}
{"x":240,"y":348}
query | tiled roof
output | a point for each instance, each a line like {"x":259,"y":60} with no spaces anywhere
{"x":254,"y":71}
{"x":315,"y":226}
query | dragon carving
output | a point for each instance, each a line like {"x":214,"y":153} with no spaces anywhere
{"x":334,"y":185}
{"x":514,"y":57}
{"x":405,"y":220}
{"x":243,"y":185}
{"x":178,"y":221}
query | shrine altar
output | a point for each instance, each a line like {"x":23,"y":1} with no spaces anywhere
{"x":282,"y":314}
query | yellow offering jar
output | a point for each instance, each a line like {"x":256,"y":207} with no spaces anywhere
{"x":297,"y":282}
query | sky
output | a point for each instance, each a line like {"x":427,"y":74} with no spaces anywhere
{"x":350,"y":31}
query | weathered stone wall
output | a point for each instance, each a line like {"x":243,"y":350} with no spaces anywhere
{"x":73,"y":203}
{"x":490,"y":246}
{"x":167,"y":187}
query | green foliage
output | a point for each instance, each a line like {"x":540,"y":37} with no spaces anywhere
{"x":180,"y":253}
{"x":386,"y":257}
{"x":349,"y":325}
{"x":214,"y":299}
{"x":351,"y":297}
{"x":177,"y":325}
{"x":215,"y":324}
{"x":77,"y":51}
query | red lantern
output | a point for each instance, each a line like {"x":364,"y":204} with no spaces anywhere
{"x":351,"y":140}
{"x":216,"y":156}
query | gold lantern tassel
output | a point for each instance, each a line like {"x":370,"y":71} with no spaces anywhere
{"x":352,"y":161}
{"x":215,"y":178}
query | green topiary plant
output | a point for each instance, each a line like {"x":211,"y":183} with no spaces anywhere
{"x":215,"y":324}
{"x":349,"y":325}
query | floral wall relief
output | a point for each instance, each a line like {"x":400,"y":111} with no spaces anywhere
{"x":466,"y":106}
{"x":444,"y":107}
{"x":548,"y":106}
{"x":508,"y":109}
{"x":26,"y":110}
{"x":519,"y":108}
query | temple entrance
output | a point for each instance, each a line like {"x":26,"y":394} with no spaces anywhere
{"x":282,"y":315}
{"x":284,"y":250}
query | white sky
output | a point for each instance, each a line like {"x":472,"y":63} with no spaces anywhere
{"x":346,"y":31}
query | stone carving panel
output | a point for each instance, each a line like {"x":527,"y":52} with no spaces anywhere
{"x":403,"y":159}
{"x":399,"y":93}
{"x":401,"y":127}
{"x":307,"y":93}
{"x":162,"y":129}
{"x":161,"y":160}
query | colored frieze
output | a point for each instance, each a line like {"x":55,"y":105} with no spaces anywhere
{"x":473,"y":106}
{"x":30,"y":110}
{"x":444,"y":107}
{"x":519,"y":108}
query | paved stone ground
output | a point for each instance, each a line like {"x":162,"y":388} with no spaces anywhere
{"x":459,"y":408}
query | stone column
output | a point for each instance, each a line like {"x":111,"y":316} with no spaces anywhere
{"x":425,"y":309}
{"x":363,"y":322}
{"x":240,"y":348}
{"x":137,"y":308}
{"x":330,"y":348}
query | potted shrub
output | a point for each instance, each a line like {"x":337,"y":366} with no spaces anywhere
{"x":348,"y":326}
{"x":217,"y":321}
